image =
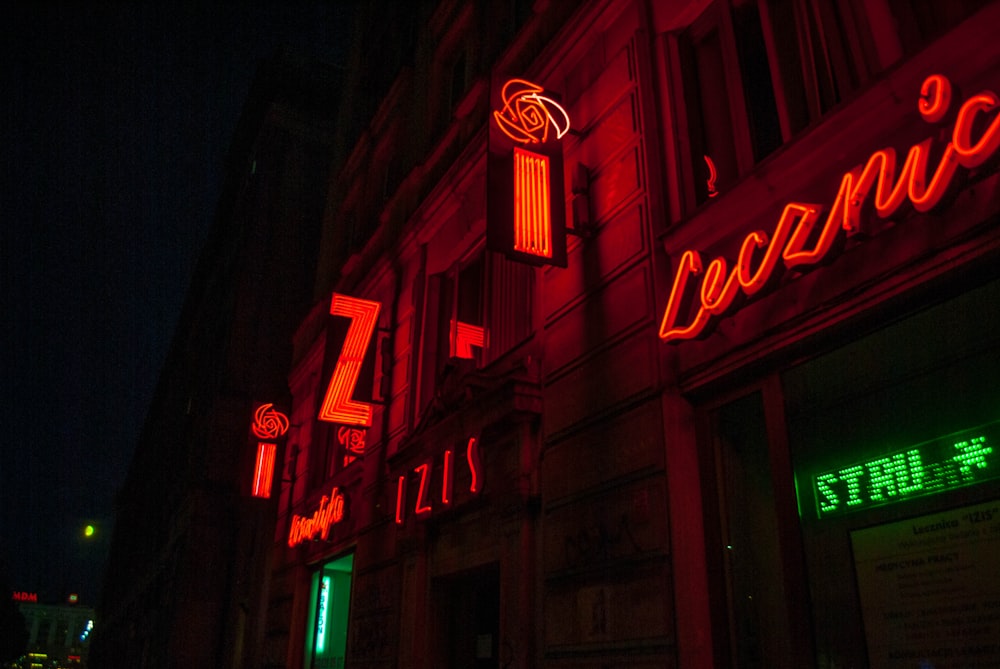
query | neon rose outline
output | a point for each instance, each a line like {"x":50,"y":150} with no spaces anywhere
{"x":527,"y":116}
{"x":268,"y":423}
{"x":351,"y":438}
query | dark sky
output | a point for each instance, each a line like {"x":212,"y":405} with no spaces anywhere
{"x":114,"y":123}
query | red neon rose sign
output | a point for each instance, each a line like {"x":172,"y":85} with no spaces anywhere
{"x":528,"y":117}
{"x":269,"y":423}
{"x":802,"y":239}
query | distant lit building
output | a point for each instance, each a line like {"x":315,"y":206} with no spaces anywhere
{"x":59,"y":636}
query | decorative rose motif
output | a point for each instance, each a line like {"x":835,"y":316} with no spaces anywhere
{"x":527,"y":117}
{"x":269,"y":423}
{"x":352,"y":439}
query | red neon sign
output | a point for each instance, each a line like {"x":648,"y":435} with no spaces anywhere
{"x":794,"y":242}
{"x":25,"y":596}
{"x":424,"y":504}
{"x":338,"y":407}
{"x":330,"y":512}
{"x":269,"y":423}
{"x":264,"y":469}
{"x":532,"y":224}
{"x":463,"y":336}
{"x":526,"y":116}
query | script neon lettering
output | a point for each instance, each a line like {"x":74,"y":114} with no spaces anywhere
{"x":338,"y":407}
{"x":329,"y":513}
{"x":796,"y":239}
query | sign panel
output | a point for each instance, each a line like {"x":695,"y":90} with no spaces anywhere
{"x":525,"y":192}
{"x":807,"y":234}
{"x":957,"y":460}
{"x":930,"y":589}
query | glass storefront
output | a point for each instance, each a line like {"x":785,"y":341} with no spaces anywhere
{"x":857,"y":500}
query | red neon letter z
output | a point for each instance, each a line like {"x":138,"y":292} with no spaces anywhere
{"x":338,"y":407}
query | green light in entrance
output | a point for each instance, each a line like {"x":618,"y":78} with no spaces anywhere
{"x":958,"y":460}
{"x":324,"y":609}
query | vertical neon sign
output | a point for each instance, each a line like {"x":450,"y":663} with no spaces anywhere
{"x":532,"y":224}
{"x":324,"y":608}
{"x":268,"y":425}
{"x":527,"y":208}
{"x":338,"y":407}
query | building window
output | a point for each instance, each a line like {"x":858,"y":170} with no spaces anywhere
{"x":756,"y":72}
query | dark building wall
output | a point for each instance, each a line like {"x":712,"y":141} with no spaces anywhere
{"x":187,"y":562}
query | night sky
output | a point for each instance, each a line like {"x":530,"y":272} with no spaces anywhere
{"x":114,"y":121}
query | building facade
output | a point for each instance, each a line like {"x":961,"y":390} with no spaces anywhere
{"x":750,"y":422}
{"x":712,"y":384}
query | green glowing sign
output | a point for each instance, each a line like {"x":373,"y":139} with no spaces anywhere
{"x":958,"y":460}
{"x":321,"y":622}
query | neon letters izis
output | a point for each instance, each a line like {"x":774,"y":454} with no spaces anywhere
{"x":338,"y":407}
{"x":430,"y":494}
{"x":796,"y":240}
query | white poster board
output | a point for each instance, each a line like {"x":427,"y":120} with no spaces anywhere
{"x":930,"y":589}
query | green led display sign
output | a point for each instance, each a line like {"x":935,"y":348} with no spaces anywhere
{"x":960,"y":459}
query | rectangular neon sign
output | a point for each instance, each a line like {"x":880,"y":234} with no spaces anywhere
{"x":532,"y":224}
{"x":264,"y":469}
{"x":954,"y":461}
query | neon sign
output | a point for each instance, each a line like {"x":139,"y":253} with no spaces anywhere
{"x":268,"y":424}
{"x":799,"y":242}
{"x":463,"y":336}
{"x":525,"y":187}
{"x":526,"y":116}
{"x":338,"y":407}
{"x":264,"y":469}
{"x":330,"y":512}
{"x":532,"y":224}
{"x":324,"y":607}
{"x":352,"y":439}
{"x":25,"y":596}
{"x":429,"y":494}
{"x":955,"y":461}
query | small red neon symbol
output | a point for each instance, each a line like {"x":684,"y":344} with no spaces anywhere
{"x":446,"y":478}
{"x":472,"y":456}
{"x":464,"y":336}
{"x":338,"y":407}
{"x":423,"y":505}
{"x":713,"y":174}
{"x":269,"y":423}
{"x":526,"y":116}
